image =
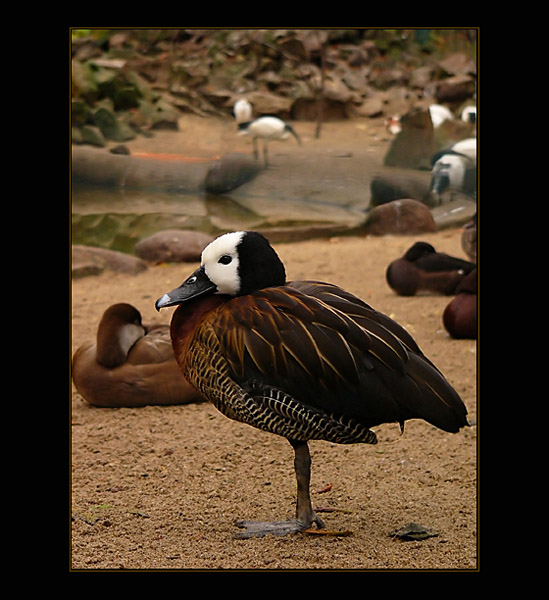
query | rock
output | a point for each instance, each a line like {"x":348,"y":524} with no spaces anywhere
{"x":164,"y":116}
{"x":84,"y":85}
{"x":413,"y":532}
{"x":357,"y":79}
{"x":111,"y":127}
{"x":405,"y":216}
{"x":400,"y":100}
{"x":458,"y":63}
{"x":76,"y":136}
{"x":385,"y":78}
{"x":230,"y":172}
{"x":109,"y":63}
{"x":456,"y":210}
{"x":84,"y":269}
{"x":336,"y":90}
{"x":173,"y":245}
{"x":91,"y":165}
{"x":120,"y":149}
{"x":92,"y":135}
{"x":79,"y":113}
{"x":371,"y":107}
{"x":420,"y":77}
{"x":294,"y":47}
{"x":469,"y":238}
{"x":267,"y":103}
{"x":126,"y":98}
{"x":386,"y":187}
{"x":88,"y":260}
{"x":451,"y":131}
{"x":414,"y":146}
{"x":455,"y":89}
{"x":306,"y":109}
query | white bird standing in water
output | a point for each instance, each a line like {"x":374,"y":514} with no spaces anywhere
{"x":267,"y":128}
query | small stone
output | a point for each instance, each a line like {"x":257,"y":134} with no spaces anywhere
{"x":413,"y":532}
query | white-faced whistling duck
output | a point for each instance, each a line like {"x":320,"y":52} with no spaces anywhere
{"x":305,"y":360}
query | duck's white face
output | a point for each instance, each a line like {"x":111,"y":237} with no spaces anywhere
{"x":234,"y":264}
{"x":221,"y":263}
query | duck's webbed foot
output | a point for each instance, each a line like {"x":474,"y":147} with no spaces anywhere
{"x":278,"y":528}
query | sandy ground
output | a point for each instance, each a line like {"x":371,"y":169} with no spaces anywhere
{"x":161,"y":487}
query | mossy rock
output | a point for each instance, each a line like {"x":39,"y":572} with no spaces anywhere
{"x":111,"y":127}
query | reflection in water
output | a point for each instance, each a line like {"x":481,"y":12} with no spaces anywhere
{"x":119,"y":218}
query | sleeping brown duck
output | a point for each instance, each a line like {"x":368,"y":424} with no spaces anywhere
{"x":460,"y":315}
{"x":423,"y":269}
{"x":130,"y":364}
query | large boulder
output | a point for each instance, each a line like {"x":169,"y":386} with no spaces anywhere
{"x":173,"y":245}
{"x":230,"y":172}
{"x":89,"y":260}
{"x":414,"y":145}
{"x":405,"y":216}
{"x":394,"y":185}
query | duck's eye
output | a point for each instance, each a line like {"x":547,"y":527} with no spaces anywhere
{"x":225,"y":259}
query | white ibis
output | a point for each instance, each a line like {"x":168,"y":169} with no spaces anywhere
{"x":455,"y":169}
{"x":267,"y":128}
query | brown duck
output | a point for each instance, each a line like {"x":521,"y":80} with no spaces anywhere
{"x":304,"y":360}
{"x":422,"y":268}
{"x":460,"y":315}
{"x":130,"y":364}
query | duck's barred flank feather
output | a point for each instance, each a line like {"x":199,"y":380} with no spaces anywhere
{"x":268,"y":408}
{"x":310,"y":361}
{"x":280,"y":413}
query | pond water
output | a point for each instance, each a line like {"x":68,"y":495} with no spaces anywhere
{"x":118,"y":218}
{"x":322,"y":185}
{"x":319,"y":189}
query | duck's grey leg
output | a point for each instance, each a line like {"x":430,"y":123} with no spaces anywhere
{"x":302,"y":465}
{"x":305,"y":515}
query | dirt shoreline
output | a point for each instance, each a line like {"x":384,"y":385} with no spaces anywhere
{"x":161,"y":487}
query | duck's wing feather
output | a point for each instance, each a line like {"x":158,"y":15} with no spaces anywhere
{"x":154,"y":347}
{"x":333,"y":353}
{"x":438,"y":261}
